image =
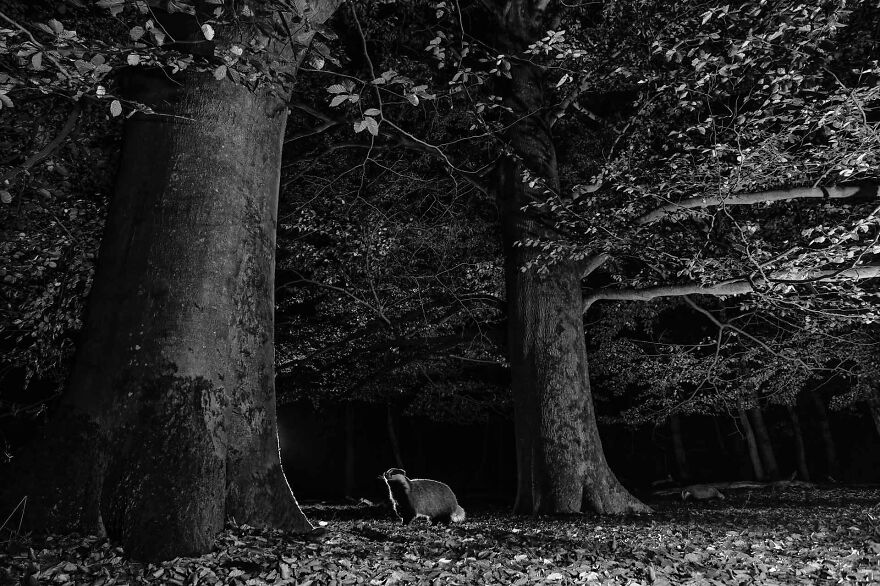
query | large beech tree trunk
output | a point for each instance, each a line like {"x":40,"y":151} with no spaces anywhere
{"x":169,"y":426}
{"x":561,"y":465}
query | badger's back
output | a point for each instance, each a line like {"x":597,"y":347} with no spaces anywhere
{"x":434,"y":499}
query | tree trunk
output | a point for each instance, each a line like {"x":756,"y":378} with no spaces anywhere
{"x":678,"y":449}
{"x":169,"y":425}
{"x":349,"y":451}
{"x":754,"y":456}
{"x":874,"y":407}
{"x":800,"y":453}
{"x":392,"y":436}
{"x":765,"y":445}
{"x":561,"y":465}
{"x":833,"y":467}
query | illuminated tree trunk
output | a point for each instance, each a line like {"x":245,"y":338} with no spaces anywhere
{"x":168,"y":427}
{"x":561,"y":465}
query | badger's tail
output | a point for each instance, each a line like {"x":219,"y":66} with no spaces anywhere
{"x":457,"y":515}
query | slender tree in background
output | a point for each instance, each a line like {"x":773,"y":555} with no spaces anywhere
{"x":168,"y":427}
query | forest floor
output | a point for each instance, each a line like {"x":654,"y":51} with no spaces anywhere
{"x":797,"y":536}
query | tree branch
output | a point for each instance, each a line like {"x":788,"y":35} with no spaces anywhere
{"x":734,"y":286}
{"x":593,"y":263}
{"x":833,"y":192}
{"x":49,"y":148}
{"x":37,"y":45}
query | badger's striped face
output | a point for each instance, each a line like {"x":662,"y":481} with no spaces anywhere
{"x":392,"y":472}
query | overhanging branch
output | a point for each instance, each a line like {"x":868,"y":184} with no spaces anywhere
{"x":735,"y":286}
{"x":833,"y":192}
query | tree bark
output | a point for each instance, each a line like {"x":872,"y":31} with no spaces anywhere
{"x":831,"y":461}
{"x":169,"y":425}
{"x":874,"y":408}
{"x":765,"y":444}
{"x":392,"y":436}
{"x":754,"y":456}
{"x":800,"y":452}
{"x":350,"y":478}
{"x":678,"y":449}
{"x":561,"y":465}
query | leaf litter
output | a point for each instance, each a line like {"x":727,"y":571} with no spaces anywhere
{"x":789,"y":537}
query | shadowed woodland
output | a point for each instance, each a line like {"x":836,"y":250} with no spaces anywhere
{"x":605,"y":270}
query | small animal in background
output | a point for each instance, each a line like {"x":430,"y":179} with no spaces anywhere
{"x":420,"y":497}
{"x":700,"y":492}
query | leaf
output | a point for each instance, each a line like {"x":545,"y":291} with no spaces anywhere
{"x":372,"y":125}
{"x":133,"y":59}
{"x":316,"y":60}
{"x":360,"y":125}
{"x":208,"y":31}
{"x":180,"y":6}
{"x":5,"y":100}
{"x":57,"y":27}
{"x":5,"y":196}
{"x":220,"y":72}
{"x":337,"y":89}
{"x":114,"y":6}
{"x":115,"y":108}
{"x":372,"y":112}
{"x":83,"y":66}
{"x":136,"y":33}
{"x":338,"y":100}
{"x":37,"y":60}
{"x":412,"y":99}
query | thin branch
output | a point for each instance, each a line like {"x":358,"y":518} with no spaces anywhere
{"x":722,"y":326}
{"x":69,"y":125}
{"x":37,"y":44}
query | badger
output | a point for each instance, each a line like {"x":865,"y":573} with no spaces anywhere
{"x":420,"y":497}
{"x":700,"y":492}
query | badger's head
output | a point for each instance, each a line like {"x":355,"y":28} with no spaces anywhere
{"x":392,"y":472}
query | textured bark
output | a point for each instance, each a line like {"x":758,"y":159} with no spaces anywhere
{"x":752,"y":444}
{"x":800,"y":452}
{"x":169,"y":422}
{"x":349,"y":451}
{"x":678,"y":449}
{"x":874,"y":407}
{"x":392,"y":436}
{"x":561,"y":465}
{"x":765,"y":444}
{"x":831,"y":461}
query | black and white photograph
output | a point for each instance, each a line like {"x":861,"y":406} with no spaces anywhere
{"x":441,"y":292}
